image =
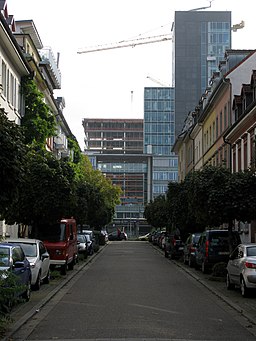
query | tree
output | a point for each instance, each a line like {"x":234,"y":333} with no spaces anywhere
{"x":13,"y":151}
{"x":38,"y":122}
{"x":156,"y":212}
{"x":179,"y":211}
{"x":45,"y":192}
{"x":208,"y":193}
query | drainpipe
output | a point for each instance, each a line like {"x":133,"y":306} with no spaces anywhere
{"x":230,"y":153}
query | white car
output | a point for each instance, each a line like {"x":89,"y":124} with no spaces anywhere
{"x":38,"y":257}
{"x":241,"y":268}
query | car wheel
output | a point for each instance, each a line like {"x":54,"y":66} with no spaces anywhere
{"x":26,"y":295}
{"x":244,"y":289}
{"x":71,"y":265}
{"x":63,"y":269}
{"x":37,"y":285}
{"x":46,"y":280}
{"x":229,"y":285}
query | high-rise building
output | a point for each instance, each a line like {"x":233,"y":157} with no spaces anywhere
{"x":115,"y":147}
{"x":159,"y":136}
{"x":199,"y":44}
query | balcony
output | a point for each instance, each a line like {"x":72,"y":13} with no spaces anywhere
{"x":51,"y":65}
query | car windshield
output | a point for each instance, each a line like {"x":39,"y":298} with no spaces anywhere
{"x":4,"y":256}
{"x":29,"y":249}
{"x":251,"y":251}
{"x":53,"y":233}
{"x":81,"y":238}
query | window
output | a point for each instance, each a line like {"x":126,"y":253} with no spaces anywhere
{"x":4,"y":78}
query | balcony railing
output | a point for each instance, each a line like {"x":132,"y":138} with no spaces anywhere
{"x":49,"y":61}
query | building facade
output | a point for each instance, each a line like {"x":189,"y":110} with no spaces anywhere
{"x":200,"y":41}
{"x":115,"y":147}
{"x":159,"y":136}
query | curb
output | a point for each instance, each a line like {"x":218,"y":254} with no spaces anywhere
{"x":18,"y":324}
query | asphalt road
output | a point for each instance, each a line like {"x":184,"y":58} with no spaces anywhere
{"x":129,"y":291}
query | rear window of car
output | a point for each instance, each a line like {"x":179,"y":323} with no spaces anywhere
{"x":251,"y":251}
{"x":222,"y":238}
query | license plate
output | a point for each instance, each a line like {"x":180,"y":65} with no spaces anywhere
{"x":181,"y":248}
{"x":224,"y":253}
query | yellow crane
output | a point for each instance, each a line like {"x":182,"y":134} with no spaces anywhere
{"x":127,"y":43}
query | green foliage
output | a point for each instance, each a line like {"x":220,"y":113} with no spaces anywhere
{"x":74,"y":146}
{"x":45,"y":194}
{"x":13,"y":151}
{"x":156,"y":212}
{"x":38,"y":189}
{"x":210,"y":197}
{"x":38,"y":122}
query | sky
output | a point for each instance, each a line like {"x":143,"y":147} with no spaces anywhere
{"x":110,"y":84}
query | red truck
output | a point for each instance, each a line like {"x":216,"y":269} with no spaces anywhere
{"x":61,"y":243}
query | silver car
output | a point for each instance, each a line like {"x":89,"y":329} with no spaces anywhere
{"x":241,"y":268}
{"x":38,"y":257}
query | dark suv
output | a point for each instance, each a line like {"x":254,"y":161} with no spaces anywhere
{"x":213,"y":247}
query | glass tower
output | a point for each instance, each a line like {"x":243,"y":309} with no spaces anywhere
{"x":159,"y":136}
{"x":199,"y":44}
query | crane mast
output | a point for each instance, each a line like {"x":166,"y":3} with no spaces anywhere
{"x":127,"y":43}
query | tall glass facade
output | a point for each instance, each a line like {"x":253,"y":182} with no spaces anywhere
{"x":200,"y":41}
{"x":159,"y":136}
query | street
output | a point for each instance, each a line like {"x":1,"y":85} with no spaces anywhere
{"x":130,"y":291}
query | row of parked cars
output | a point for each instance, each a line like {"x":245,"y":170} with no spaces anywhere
{"x":202,"y":250}
{"x":30,"y":261}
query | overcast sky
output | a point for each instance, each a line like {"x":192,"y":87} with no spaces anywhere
{"x":100,"y":84}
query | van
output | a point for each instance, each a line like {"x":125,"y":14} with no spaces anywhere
{"x":60,"y":240}
{"x":213,"y":247}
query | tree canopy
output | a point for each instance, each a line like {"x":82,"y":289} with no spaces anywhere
{"x":41,"y":189}
{"x":208,"y":197}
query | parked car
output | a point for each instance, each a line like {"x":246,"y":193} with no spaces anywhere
{"x":241,"y":268}
{"x":82,"y":245}
{"x":38,"y":257}
{"x":90,"y":241}
{"x":189,"y":251}
{"x":117,"y":236}
{"x":173,"y":247}
{"x":213,"y":247}
{"x":145,"y":237}
{"x":60,"y":240}
{"x":12,"y":258}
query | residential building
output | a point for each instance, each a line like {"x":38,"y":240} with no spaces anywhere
{"x":115,"y":147}
{"x":222,"y":127}
{"x":22,"y":55}
{"x":159,"y":136}
{"x":210,"y":119}
{"x":200,"y":41}
{"x":13,"y":66}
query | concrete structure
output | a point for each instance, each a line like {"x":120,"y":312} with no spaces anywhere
{"x":115,"y":147}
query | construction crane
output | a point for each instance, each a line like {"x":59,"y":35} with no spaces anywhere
{"x":158,"y":82}
{"x":127,"y":43}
